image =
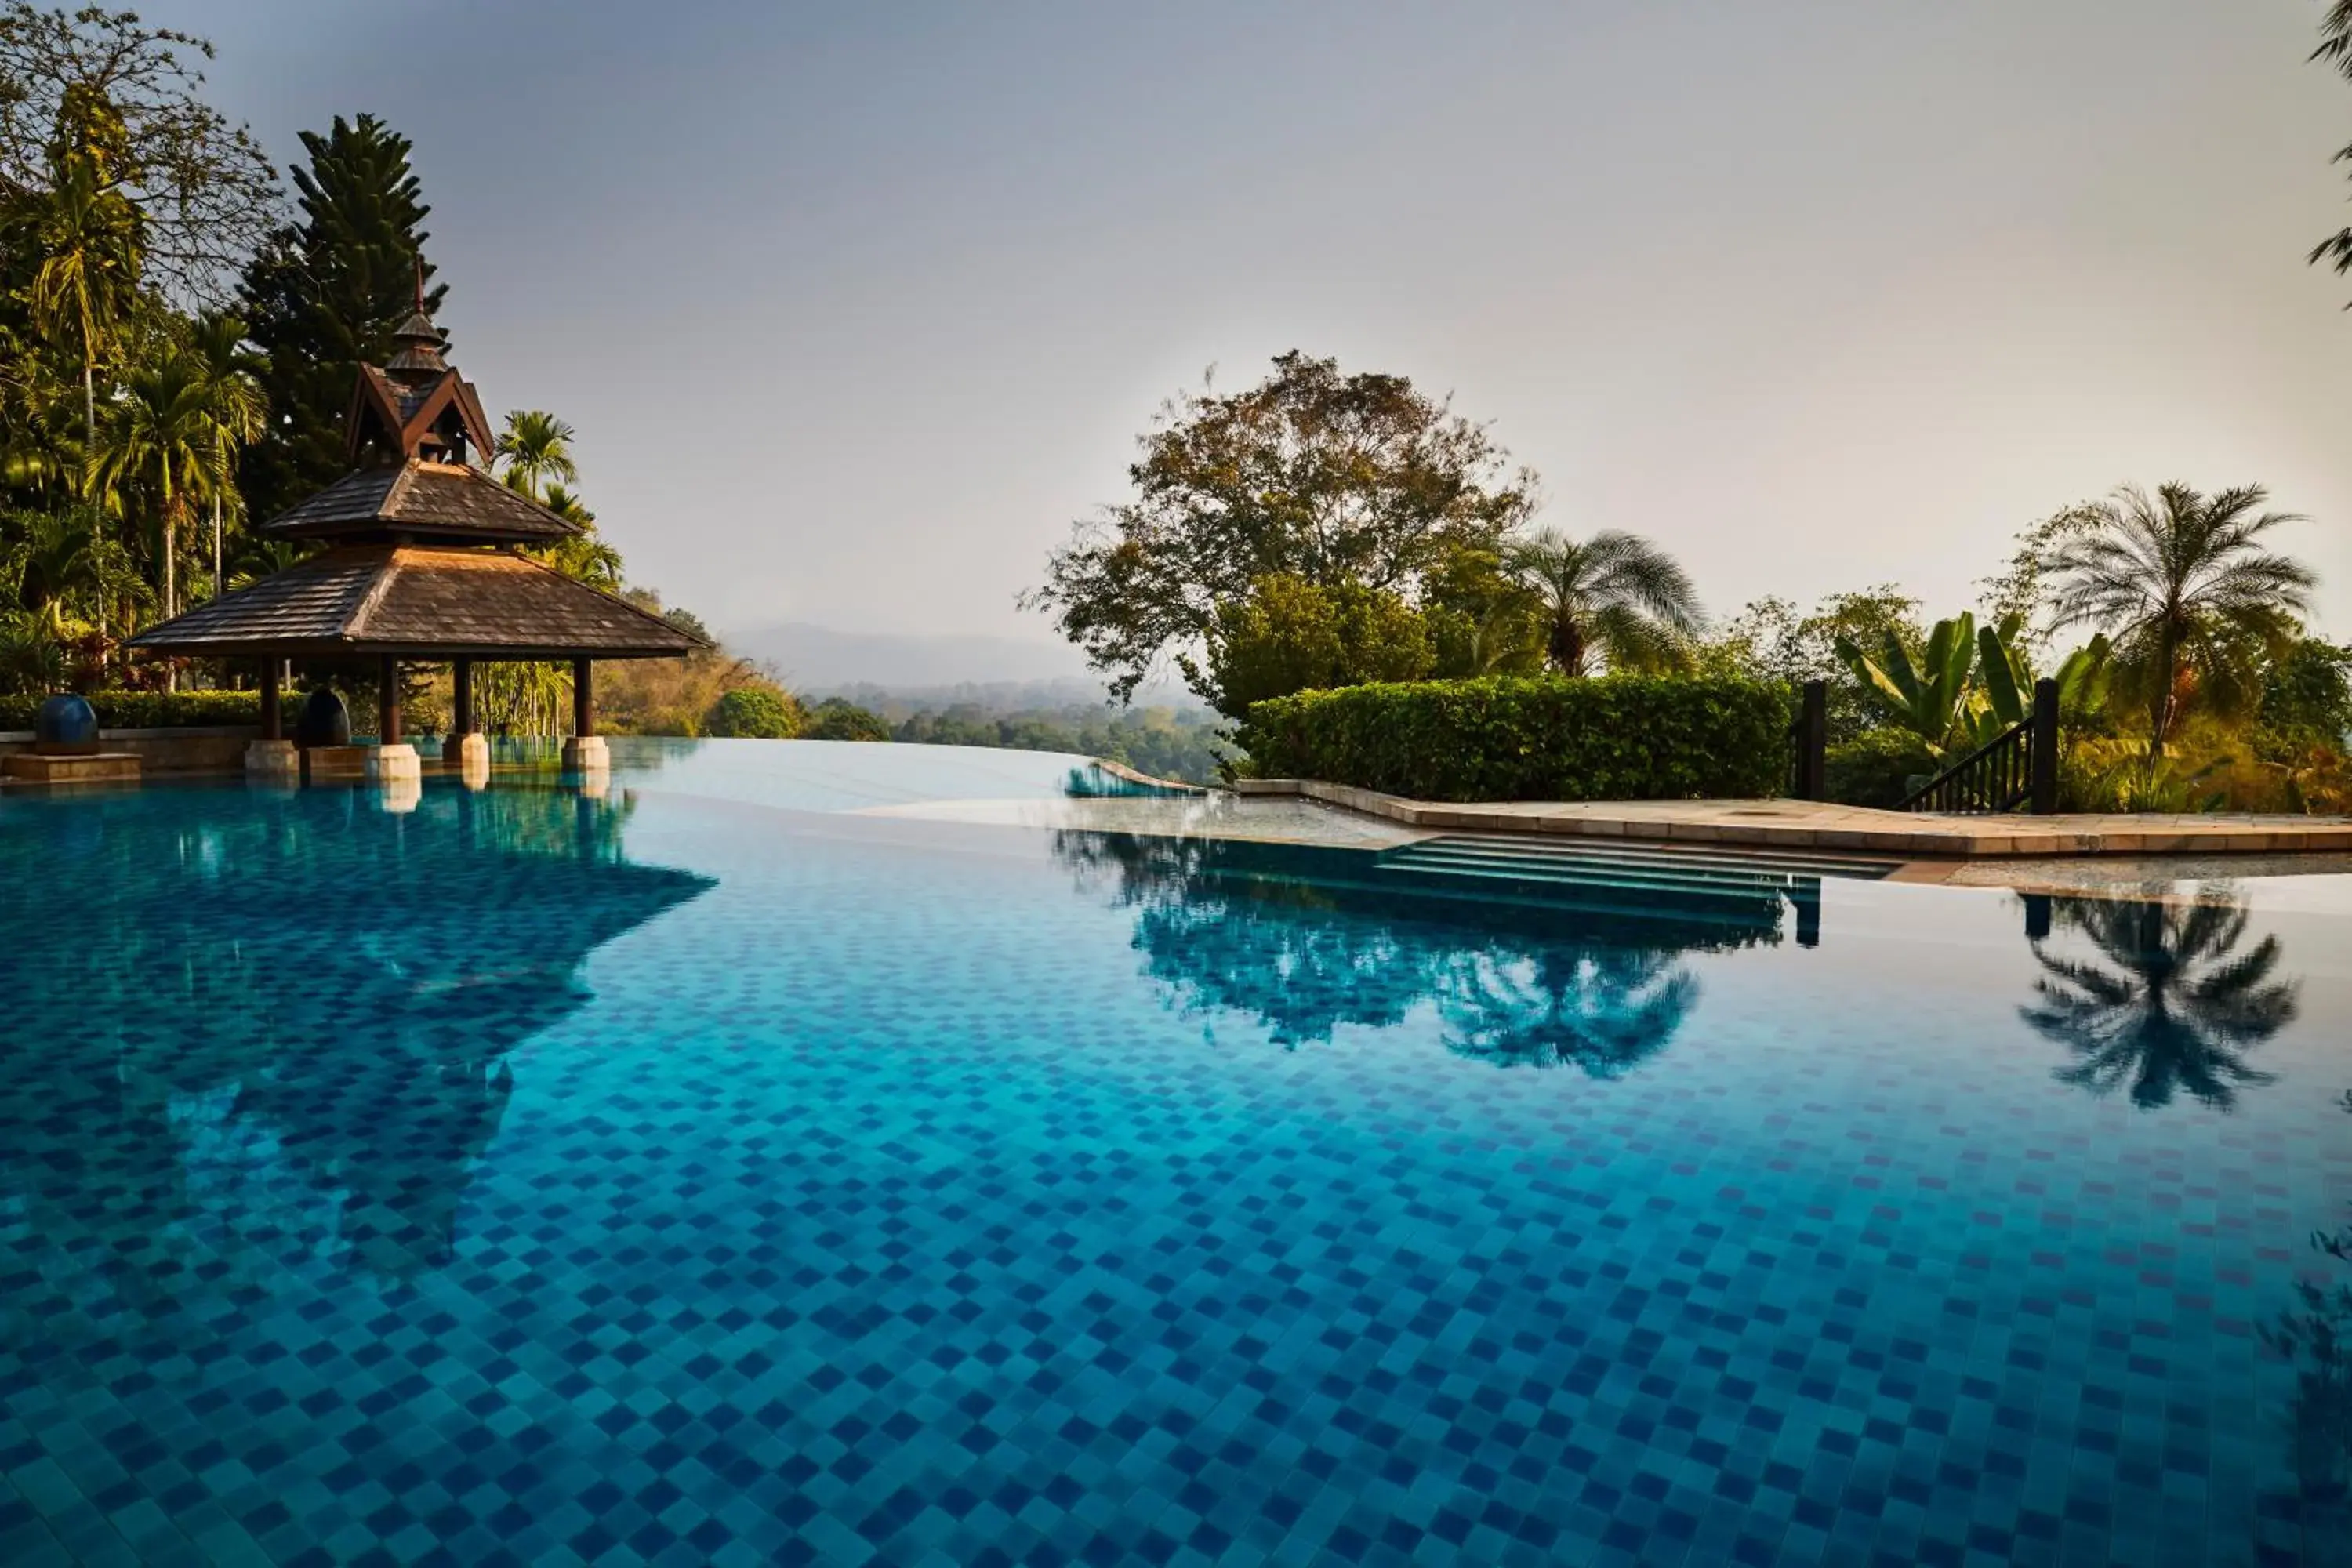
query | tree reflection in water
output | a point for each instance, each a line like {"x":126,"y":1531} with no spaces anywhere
{"x":1307,"y":939}
{"x":2163,"y":999}
{"x":2316,"y":1335}
{"x":238,"y":1018}
{"x":1603,"y":1010}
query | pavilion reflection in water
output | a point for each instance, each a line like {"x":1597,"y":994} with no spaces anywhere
{"x":281,"y":1034}
{"x":1521,"y":975}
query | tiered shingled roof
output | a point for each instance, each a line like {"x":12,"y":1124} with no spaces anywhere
{"x":421,"y":500}
{"x":419,"y":601}
{"x":422,"y":565}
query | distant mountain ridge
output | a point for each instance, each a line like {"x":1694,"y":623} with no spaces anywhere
{"x":998,"y":674}
{"x":814,"y":658}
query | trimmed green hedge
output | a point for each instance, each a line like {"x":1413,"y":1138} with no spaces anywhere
{"x":1542,"y":738}
{"x":149,"y":710}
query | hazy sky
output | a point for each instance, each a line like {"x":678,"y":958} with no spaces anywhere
{"x":856,"y":307}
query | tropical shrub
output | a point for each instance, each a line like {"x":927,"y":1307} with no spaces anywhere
{"x":1771,"y":640}
{"x":1878,"y":767}
{"x":1540,"y":738}
{"x":147,"y":710}
{"x":1291,"y":635}
{"x":2307,"y":700}
{"x":838,"y":718}
{"x":761,"y":713}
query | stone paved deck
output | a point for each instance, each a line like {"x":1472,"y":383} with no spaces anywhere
{"x":1810,"y":825}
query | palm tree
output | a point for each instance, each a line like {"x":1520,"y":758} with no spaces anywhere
{"x":48,"y":557}
{"x":2335,"y":49}
{"x":584,"y":557}
{"x":231,"y":375}
{"x":2181,"y":584}
{"x":161,"y":440}
{"x":2174,"y":1006}
{"x":1614,"y":596}
{"x":89,"y":276}
{"x":534,"y":447}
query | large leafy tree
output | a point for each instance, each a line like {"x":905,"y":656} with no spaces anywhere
{"x":204,"y":188}
{"x":1614,"y":598}
{"x":1329,"y":477}
{"x":88,"y":243}
{"x":2183,"y":584}
{"x":324,"y":295}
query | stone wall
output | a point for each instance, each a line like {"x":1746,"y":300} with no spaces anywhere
{"x":187,"y":750}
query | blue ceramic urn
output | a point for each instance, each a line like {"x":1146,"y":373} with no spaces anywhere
{"x":67,"y":720}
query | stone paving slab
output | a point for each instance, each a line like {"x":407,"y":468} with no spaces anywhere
{"x":1814,"y":824}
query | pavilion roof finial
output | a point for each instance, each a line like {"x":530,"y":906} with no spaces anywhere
{"x":419,"y":354}
{"x":415,"y":405}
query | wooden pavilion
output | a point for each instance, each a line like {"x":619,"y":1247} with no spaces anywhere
{"x":422,"y":565}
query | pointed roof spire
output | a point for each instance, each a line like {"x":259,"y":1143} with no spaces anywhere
{"x":420,"y":341}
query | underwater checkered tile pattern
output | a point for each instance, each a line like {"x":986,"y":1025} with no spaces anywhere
{"x":877,"y":1210}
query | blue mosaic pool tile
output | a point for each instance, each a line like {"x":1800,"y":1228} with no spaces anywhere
{"x":680,"y":1184}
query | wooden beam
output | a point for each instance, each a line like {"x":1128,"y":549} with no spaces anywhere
{"x":387,"y":700}
{"x":273,"y":727}
{"x":583,"y":697}
{"x":461,"y":685}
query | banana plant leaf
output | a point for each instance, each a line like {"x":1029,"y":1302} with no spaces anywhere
{"x":1925,"y":696}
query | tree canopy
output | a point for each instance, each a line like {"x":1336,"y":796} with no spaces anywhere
{"x":322,"y":297}
{"x":204,"y":188}
{"x":1328,"y":478}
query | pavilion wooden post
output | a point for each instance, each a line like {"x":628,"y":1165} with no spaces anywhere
{"x":272,"y":726}
{"x":272,"y":758}
{"x":466,"y":753}
{"x":584,"y":753}
{"x":391,"y":762}
{"x":461,"y":687}
{"x":387,"y":700}
{"x":583,"y":699}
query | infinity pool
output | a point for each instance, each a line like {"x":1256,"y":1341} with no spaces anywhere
{"x":838,"y":1154}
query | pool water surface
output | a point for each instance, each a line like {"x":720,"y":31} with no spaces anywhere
{"x":783,"y":1159}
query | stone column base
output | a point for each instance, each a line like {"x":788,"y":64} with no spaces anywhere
{"x":468,"y":757}
{"x":275,"y":761}
{"x":586,"y":754}
{"x":394,"y":761}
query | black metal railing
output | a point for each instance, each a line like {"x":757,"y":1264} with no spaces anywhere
{"x":1809,"y":742}
{"x":2018,"y":767}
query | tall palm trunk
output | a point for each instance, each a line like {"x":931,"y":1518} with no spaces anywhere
{"x":1567,"y":646}
{"x":170,"y":582}
{"x":2160,"y":720}
{"x":217,"y":579}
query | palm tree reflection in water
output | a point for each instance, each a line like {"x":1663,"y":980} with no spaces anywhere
{"x":2165,"y":1002}
{"x":1603,"y":1009}
{"x":1306,"y":940}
